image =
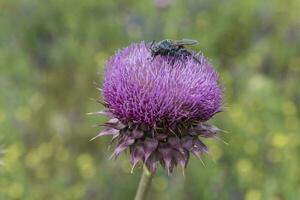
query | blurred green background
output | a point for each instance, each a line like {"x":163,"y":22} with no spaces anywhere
{"x":52,"y":51}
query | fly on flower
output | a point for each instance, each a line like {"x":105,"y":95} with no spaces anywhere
{"x":175,"y":48}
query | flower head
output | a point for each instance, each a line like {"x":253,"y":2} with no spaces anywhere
{"x":158,"y":106}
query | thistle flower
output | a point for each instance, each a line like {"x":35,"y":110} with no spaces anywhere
{"x":159,"y":107}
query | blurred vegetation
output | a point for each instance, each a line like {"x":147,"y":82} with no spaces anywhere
{"x":52,"y":51}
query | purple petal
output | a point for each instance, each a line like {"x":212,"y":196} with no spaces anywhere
{"x":205,"y":130}
{"x":187,"y":142}
{"x":174,"y":142}
{"x":107,"y":131}
{"x":152,"y":162}
{"x":102,"y":112}
{"x":126,"y":142}
{"x":199,"y":148}
{"x":136,"y":134}
{"x":150,"y":145}
{"x":181,"y":158}
{"x":114,"y":123}
{"x":116,"y":137}
{"x":105,"y":113}
{"x":198,"y":145}
{"x":161,"y":136}
{"x":137,"y":154}
{"x":166,"y":151}
{"x":144,"y":127}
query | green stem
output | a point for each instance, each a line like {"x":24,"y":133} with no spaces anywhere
{"x":144,"y":185}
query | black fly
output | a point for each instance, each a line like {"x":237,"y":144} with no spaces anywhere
{"x":174,"y":48}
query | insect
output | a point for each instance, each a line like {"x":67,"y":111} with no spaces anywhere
{"x":174,"y":48}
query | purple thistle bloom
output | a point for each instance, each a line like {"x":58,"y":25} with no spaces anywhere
{"x":158,"y":106}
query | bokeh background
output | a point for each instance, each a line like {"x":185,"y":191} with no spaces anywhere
{"x":52,"y":52}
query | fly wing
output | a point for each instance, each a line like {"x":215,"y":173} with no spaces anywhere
{"x":184,"y":42}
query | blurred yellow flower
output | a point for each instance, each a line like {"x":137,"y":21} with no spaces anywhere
{"x":253,"y":194}
{"x":280,"y":140}
{"x":244,"y":166}
{"x":15,"y":190}
{"x":11,"y":156}
{"x":257,"y":82}
{"x":86,"y":166}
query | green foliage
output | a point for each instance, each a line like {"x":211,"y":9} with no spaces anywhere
{"x":52,"y":51}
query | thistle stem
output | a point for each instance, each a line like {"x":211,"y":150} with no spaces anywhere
{"x":144,"y":185}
